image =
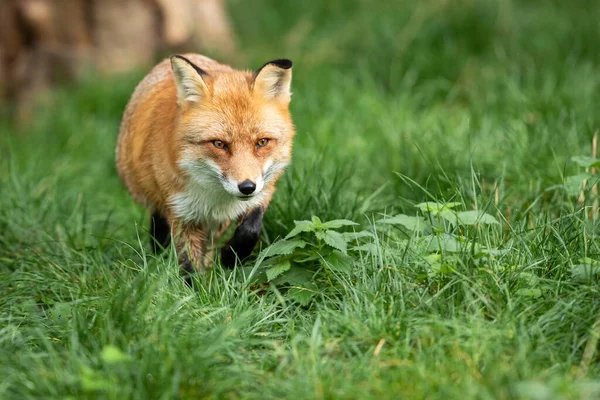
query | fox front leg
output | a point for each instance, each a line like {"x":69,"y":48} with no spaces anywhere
{"x":160,"y":232}
{"x":191,"y":249}
{"x":244,"y":239}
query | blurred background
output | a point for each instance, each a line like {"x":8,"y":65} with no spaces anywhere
{"x":446,"y":45}
{"x":44,"y":42}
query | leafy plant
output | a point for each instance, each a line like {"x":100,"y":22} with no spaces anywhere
{"x":313,"y":249}
{"x":310,"y":247}
{"x":587,"y":269}
{"x":576,"y":184}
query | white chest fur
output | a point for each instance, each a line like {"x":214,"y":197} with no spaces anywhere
{"x":210,"y":205}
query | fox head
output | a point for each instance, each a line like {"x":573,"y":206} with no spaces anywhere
{"x":234,"y":128}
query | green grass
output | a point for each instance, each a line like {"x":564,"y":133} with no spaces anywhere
{"x":478,"y":102}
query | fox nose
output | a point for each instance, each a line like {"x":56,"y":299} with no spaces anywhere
{"x":247,"y":187}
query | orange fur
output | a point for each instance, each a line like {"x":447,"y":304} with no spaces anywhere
{"x":167,"y":157}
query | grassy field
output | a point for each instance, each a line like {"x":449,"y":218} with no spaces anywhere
{"x":483,"y":110}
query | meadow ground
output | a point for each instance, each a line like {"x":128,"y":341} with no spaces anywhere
{"x":476,"y":104}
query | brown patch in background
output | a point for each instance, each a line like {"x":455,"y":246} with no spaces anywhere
{"x":44,"y":42}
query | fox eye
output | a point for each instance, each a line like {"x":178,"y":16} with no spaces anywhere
{"x":262,"y":143}
{"x":219,"y":144}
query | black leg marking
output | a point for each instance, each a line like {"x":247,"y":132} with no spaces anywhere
{"x":160,"y":232}
{"x":244,"y":239}
{"x":187,"y":269}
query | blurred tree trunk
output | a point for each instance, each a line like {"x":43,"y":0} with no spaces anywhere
{"x":46,"y":41}
{"x":126,"y":33}
{"x":197,"y":23}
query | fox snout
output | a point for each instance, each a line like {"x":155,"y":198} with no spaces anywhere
{"x":240,"y":183}
{"x":243,"y":189}
{"x":247,"y":187}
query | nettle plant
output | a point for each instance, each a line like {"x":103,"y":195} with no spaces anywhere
{"x":436,"y":239}
{"x":583,"y":186}
{"x":434,"y":242}
{"x":583,"y":183}
{"x":314,"y":249}
{"x":311,"y":249}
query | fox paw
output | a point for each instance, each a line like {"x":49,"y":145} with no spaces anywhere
{"x":228,"y":257}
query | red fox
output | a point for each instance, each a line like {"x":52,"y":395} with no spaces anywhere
{"x":202,"y":144}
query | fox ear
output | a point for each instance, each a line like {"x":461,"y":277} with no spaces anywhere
{"x":273,"y":80}
{"x":191,"y":86}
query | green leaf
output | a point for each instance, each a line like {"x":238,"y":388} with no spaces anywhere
{"x":481,"y":252}
{"x":112,"y":355}
{"x":297,"y":276}
{"x":475,"y":217}
{"x":442,"y":242}
{"x":586,"y":161}
{"x":350,"y":236}
{"x":529,"y":278}
{"x":370,"y":248}
{"x":317,"y":221}
{"x":434,"y":258}
{"x":433,"y":263}
{"x":305,"y":256}
{"x":430,"y":206}
{"x":302,"y":295}
{"x":450,"y":216}
{"x":283,"y":247}
{"x":535,"y":390}
{"x":277,"y":270}
{"x":587,"y":260}
{"x":585,"y":271}
{"x":338,"y":261}
{"x":417,"y":224}
{"x":529,"y":292}
{"x":301,"y":226}
{"x":338,"y":223}
{"x":333,"y":239}
{"x":92,"y":380}
{"x":573,"y":184}
{"x":436,"y":266}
